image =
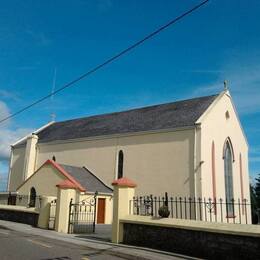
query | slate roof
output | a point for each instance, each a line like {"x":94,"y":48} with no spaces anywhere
{"x":87,"y":179}
{"x":165,"y":116}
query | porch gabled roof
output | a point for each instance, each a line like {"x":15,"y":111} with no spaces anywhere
{"x":75,"y":177}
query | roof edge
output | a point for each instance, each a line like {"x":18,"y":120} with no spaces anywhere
{"x":85,"y":168}
{"x":136,"y":108}
{"x":204,"y":114}
{"x":223,"y":93}
{"x":238,"y":119}
{"x":66,"y":174}
{"x":58,"y":168}
{"x":67,"y":184}
{"x":34,"y":132}
{"x":100,"y":137}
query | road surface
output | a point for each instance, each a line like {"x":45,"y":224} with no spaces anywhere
{"x":16,"y":245}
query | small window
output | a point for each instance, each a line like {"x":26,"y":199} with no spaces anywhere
{"x":120,"y":164}
{"x":227,"y":115}
{"x":54,"y":158}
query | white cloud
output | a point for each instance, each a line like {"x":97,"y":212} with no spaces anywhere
{"x":8,"y":135}
{"x":4,"y":111}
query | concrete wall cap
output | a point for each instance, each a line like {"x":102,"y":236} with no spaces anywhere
{"x":124,"y":182}
{"x":67,"y":184}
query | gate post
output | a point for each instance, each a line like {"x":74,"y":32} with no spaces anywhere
{"x":43,"y":221}
{"x":124,"y":190}
{"x":66,"y":192}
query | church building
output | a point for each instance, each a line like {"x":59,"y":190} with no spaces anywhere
{"x":193,"y":148}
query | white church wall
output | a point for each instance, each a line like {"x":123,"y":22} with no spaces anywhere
{"x":157,"y":162}
{"x":44,"y":181}
{"x":17,"y":166}
{"x":218,"y":125}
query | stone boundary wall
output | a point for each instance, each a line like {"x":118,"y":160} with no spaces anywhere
{"x":216,"y":242}
{"x":20,"y":215}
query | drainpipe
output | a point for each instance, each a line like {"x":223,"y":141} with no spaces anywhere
{"x":195,"y":161}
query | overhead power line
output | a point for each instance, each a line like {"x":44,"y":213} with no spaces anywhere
{"x":108,"y":61}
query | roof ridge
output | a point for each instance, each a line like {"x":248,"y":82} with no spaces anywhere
{"x":134,"y":109}
{"x":172,"y":115}
{"x":80,"y":167}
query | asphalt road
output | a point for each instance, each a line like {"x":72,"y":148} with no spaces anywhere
{"x":16,"y":245}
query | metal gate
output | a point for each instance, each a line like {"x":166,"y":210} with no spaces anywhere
{"x":82,"y":216}
{"x":52,"y":214}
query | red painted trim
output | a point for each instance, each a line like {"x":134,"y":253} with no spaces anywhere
{"x":241,"y":181}
{"x":124,"y":182}
{"x":61,"y":170}
{"x":67,"y":175}
{"x":67,"y":184}
{"x":213,"y":171}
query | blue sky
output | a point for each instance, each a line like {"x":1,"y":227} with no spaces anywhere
{"x":192,"y":58}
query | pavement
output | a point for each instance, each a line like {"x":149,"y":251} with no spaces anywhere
{"x":21,"y":241}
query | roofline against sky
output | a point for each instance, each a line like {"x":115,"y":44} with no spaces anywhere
{"x":137,"y":108}
{"x":221,"y":94}
{"x":34,"y":132}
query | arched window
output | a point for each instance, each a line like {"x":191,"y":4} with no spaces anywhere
{"x":228,"y":161}
{"x":120,"y":164}
{"x":32,"y":201}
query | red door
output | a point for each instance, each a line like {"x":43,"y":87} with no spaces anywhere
{"x":101,"y":211}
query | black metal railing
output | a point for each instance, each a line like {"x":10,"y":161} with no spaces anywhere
{"x":82,"y":215}
{"x":20,"y":200}
{"x":203,"y":209}
{"x":7,"y":198}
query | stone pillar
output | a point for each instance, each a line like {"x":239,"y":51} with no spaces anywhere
{"x":30,"y":156}
{"x":43,"y":221}
{"x":124,"y":190}
{"x":66,"y":192}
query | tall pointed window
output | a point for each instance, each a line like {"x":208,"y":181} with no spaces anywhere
{"x":120,"y":164}
{"x":228,"y":161}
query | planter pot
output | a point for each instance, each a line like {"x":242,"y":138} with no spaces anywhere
{"x":164,"y":212}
